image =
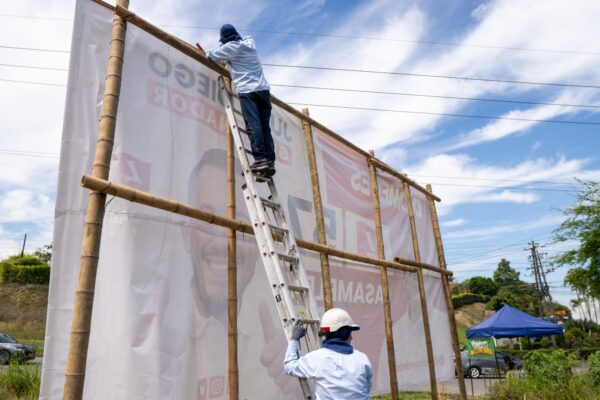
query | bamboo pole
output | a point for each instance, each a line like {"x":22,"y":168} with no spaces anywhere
{"x":453,"y":331}
{"x":232,"y":300}
{"x":318,"y":202}
{"x":193,"y":53}
{"x":387,"y":308}
{"x":424,"y":311}
{"x":151,"y":200}
{"x":84,"y":295}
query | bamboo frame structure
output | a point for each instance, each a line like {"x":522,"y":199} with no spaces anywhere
{"x":385,"y":289}
{"x":453,"y":331}
{"x":318,"y":204}
{"x":101,"y":187}
{"x":90,"y":250}
{"x":426,"y":326}
{"x":193,"y":53}
{"x":152,"y":200}
{"x":232,"y":300}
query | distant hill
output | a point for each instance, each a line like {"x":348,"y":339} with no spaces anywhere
{"x":23,"y":310}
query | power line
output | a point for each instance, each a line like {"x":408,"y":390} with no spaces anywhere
{"x":506,"y":187}
{"x":377,"y":72}
{"x":434,"y":76}
{"x":28,"y":153}
{"x":33,"y":83}
{"x":374,"y":91}
{"x":34,"y":67}
{"x":494,"y":179}
{"x":340,"y":36}
{"x":436,"y":96}
{"x":446,"y":114}
{"x":34,"y":49}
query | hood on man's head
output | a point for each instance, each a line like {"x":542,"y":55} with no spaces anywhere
{"x":228,"y":34}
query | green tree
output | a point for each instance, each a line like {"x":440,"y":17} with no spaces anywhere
{"x":582,"y":224}
{"x":502,"y":298}
{"x":505,"y":274}
{"x":483,"y":285}
{"x":44,"y":253}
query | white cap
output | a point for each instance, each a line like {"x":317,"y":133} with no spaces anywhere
{"x":336,"y":318}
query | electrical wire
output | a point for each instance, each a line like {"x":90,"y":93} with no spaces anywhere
{"x":505,"y":187}
{"x":33,"y":83}
{"x":33,"y":67}
{"x":549,"y":121}
{"x":378,"y":72}
{"x":495,"y":179}
{"x":374,"y":91}
{"x":34,"y":49}
{"x":467,"y":78}
{"x":435,"y":96}
{"x":340,"y":36}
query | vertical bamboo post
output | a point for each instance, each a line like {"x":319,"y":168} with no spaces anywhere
{"x":453,"y":331}
{"x":232,"y":300}
{"x":387,"y":309}
{"x":92,"y":233}
{"x":424,"y":312}
{"x":318,"y":202}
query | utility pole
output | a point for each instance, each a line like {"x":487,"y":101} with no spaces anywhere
{"x":23,"y":248}
{"x":541,"y":284}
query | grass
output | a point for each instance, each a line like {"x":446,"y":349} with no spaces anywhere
{"x":20,"y":382}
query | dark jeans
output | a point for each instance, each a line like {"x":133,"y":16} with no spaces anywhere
{"x":256,"y":107}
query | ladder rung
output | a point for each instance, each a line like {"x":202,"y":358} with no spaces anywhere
{"x":269,"y":203}
{"x":298,"y":288}
{"x":309,"y":321}
{"x":248,"y":151}
{"x":245,"y":132}
{"x":235,"y":110}
{"x":287,"y":257}
{"x":278,"y":229}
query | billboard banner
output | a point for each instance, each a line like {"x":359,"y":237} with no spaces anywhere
{"x":483,"y":349}
{"x":159,"y":326}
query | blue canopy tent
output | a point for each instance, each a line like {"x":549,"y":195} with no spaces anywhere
{"x":509,"y":322}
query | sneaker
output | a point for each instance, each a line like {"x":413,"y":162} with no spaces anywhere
{"x":259,"y":165}
{"x":269,"y":172}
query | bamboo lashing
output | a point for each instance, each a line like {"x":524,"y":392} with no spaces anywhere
{"x":232,"y":300}
{"x":151,"y":200}
{"x":90,"y":250}
{"x":453,"y":331}
{"x":193,"y":53}
{"x":423,"y":297}
{"x":387,"y":309}
{"x":318,"y":204}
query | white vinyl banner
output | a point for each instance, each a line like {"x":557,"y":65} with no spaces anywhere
{"x":159,"y":326}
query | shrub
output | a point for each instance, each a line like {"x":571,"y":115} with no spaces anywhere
{"x":594,"y":368}
{"x":468,"y":298}
{"x":549,"y":367}
{"x":24,"y":270}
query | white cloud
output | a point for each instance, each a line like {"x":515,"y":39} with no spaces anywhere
{"x":454,"y":222}
{"x":479,"y":234}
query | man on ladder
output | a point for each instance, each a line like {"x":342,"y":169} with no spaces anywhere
{"x":253,"y":88}
{"x":340,"y":371}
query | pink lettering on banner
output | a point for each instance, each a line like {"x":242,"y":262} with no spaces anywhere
{"x":134,"y":172}
{"x":185,"y":106}
{"x":284,"y":152}
{"x":212,"y":387}
{"x":366,"y":239}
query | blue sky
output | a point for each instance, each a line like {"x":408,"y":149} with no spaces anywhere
{"x":488,"y":172}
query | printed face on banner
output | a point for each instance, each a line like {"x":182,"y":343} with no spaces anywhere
{"x":159,"y":328}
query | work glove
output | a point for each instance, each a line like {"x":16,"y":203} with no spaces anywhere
{"x":299,"y":331}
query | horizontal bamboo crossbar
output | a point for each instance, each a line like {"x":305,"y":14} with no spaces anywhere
{"x":152,"y":200}
{"x":193,"y":53}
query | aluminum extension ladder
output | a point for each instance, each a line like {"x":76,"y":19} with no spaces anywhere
{"x":279,"y":252}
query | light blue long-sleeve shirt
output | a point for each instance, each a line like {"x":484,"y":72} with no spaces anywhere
{"x":338,"y":376}
{"x":245,"y":67}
